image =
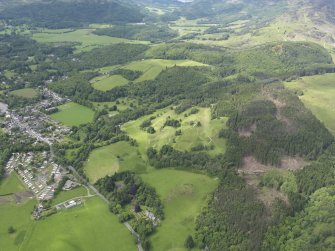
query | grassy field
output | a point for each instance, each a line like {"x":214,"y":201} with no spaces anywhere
{"x":151,"y":68}
{"x":206,"y":134}
{"x":183,"y":195}
{"x":25,"y":93}
{"x":109,"y":159}
{"x":73,"y":114}
{"x":67,"y":195}
{"x":318,"y":96}
{"x":105,"y":83}
{"x":85,"y":228}
{"x":11,"y":184}
{"x":84,"y":38}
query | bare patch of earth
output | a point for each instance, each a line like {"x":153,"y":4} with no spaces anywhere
{"x":247,"y":132}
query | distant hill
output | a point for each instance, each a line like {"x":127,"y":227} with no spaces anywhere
{"x":327,"y":7}
{"x":61,"y":14}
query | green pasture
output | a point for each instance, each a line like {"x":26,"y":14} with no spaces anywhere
{"x":109,"y":159}
{"x":151,"y":68}
{"x":25,"y":93}
{"x":67,"y":195}
{"x":84,"y":39}
{"x":183,"y":195}
{"x":73,"y":114}
{"x":105,"y":83}
{"x":12,"y":184}
{"x":192,"y":135}
{"x":87,"y":227}
{"x":318,"y":94}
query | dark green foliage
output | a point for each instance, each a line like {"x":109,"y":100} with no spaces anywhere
{"x":127,"y":74}
{"x":11,"y":230}
{"x":189,"y":242}
{"x":172,"y":122}
{"x":153,"y":33}
{"x":61,"y":14}
{"x":125,"y":187}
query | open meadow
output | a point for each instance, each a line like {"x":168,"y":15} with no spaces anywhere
{"x":107,"y":160}
{"x":25,"y":93}
{"x":196,"y":129}
{"x":183,"y":195}
{"x":73,"y":114}
{"x":84,"y":39}
{"x":105,"y":83}
{"x":318,"y":94}
{"x":11,"y":184}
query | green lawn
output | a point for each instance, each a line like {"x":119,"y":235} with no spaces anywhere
{"x":151,"y":68}
{"x":25,"y":93}
{"x":104,"y":161}
{"x":105,"y":83}
{"x":73,"y":114}
{"x":85,"y":228}
{"x":84,"y":38}
{"x":11,"y":184}
{"x":183,"y":195}
{"x":67,"y":195}
{"x":206,"y":134}
{"x":318,"y":96}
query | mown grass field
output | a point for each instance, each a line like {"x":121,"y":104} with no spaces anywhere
{"x":25,"y":93}
{"x":84,"y":38}
{"x":318,"y":96}
{"x":109,"y":159}
{"x":11,"y":184}
{"x":67,"y":195}
{"x":73,"y":114}
{"x":151,"y":68}
{"x":105,"y":83}
{"x":183,"y":195}
{"x":192,"y":135}
{"x":87,"y":227}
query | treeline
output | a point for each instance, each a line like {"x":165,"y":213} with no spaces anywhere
{"x":65,"y":14}
{"x":153,"y":33}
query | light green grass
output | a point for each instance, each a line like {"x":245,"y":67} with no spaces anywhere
{"x":73,"y":114}
{"x":206,"y":135}
{"x":104,"y":161}
{"x":105,"y":83}
{"x":25,"y":93}
{"x":67,"y":195}
{"x":11,"y":184}
{"x":151,"y":68}
{"x":183,"y":195}
{"x":9,"y":74}
{"x":85,"y":228}
{"x":84,"y":37}
{"x":318,"y":96}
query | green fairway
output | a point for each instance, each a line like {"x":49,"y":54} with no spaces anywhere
{"x":67,"y":195}
{"x":25,"y":93}
{"x":318,"y":96}
{"x":151,"y":68}
{"x":105,"y":83}
{"x":83,"y":38}
{"x":87,"y":227}
{"x":109,"y":159}
{"x":183,"y":195}
{"x":73,"y":114}
{"x":192,"y":135}
{"x":11,"y":184}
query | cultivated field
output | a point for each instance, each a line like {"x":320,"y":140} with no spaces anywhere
{"x":25,"y":93}
{"x":105,"y":83}
{"x":73,"y":114}
{"x":318,"y":96}
{"x":107,"y":160}
{"x":84,"y":39}
{"x":151,"y":68}
{"x":183,"y":195}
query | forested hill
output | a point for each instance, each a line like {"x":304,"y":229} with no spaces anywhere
{"x":59,"y":14}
